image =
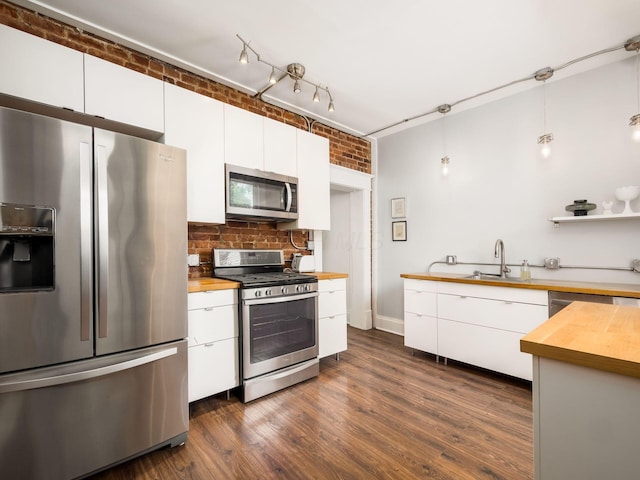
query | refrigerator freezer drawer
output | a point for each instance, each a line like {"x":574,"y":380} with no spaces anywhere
{"x":81,"y":421}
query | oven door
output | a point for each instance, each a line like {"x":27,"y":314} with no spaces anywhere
{"x":278,"y":332}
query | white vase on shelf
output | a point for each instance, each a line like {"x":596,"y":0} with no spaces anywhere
{"x":626,"y":194}
{"x":606,"y":207}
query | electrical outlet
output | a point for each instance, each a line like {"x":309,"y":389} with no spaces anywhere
{"x":452,"y":260}
{"x":193,"y":260}
{"x":311,"y":245}
{"x":636,"y":265}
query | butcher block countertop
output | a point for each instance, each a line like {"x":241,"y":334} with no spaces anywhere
{"x":593,"y":335}
{"x":612,"y":289}
{"x":205,"y":284}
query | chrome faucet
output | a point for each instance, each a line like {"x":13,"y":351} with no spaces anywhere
{"x":503,"y":265}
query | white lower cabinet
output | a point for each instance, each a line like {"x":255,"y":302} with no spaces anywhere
{"x":476,"y":324}
{"x":332,"y":316}
{"x":213,"y":343}
{"x":420,"y":315}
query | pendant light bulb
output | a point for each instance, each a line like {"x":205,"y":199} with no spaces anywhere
{"x":296,"y":87}
{"x":544,"y":142}
{"x":316,"y":96}
{"x":244,"y":56}
{"x":272,"y":78}
{"x":444,"y":165}
{"x":635,"y":125}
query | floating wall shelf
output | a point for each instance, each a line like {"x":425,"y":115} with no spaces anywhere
{"x":593,"y":218}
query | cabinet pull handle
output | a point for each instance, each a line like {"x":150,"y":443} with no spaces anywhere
{"x":462,"y":297}
{"x":208,"y":309}
{"x":210,"y":344}
{"x":332,"y":317}
{"x":507,"y":303}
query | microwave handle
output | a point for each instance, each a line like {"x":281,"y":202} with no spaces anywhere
{"x":288,"y":197}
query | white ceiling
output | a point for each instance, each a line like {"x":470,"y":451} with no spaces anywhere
{"x":384,"y":61}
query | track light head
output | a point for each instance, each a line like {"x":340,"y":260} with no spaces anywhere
{"x":296,"y":87}
{"x":272,"y":78}
{"x":316,"y":96}
{"x":244,"y":56}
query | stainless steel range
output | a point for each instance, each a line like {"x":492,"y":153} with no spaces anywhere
{"x":279,"y":319}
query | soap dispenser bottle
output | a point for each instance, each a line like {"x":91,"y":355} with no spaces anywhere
{"x":525,"y":273}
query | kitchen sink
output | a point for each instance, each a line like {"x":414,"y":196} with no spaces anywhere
{"x":492,"y":278}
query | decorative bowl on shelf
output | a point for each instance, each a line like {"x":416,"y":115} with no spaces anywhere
{"x":626,"y":194}
{"x":580,"y":208}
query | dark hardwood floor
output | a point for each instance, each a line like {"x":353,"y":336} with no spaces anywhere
{"x":378,"y":413}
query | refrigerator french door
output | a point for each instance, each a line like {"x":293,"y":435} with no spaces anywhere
{"x":92,"y":297}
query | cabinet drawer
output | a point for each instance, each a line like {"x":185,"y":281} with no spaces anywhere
{"x":421,"y":302}
{"x":218,"y":323}
{"x":212,"y":298}
{"x":421,"y":332}
{"x":420,"y":285}
{"x":332,"y":285}
{"x":496,"y":350}
{"x":523,"y":295}
{"x":213,"y":368}
{"x":512,"y":316}
{"x":332,"y":303}
{"x":332,"y":335}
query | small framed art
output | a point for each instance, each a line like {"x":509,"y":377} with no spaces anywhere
{"x":398,"y":208}
{"x":399,"y":231}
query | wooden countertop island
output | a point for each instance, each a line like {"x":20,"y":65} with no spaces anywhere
{"x":586,"y":393}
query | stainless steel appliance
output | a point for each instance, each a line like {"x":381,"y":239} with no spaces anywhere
{"x":279,"y":320}
{"x":560,"y":300}
{"x":257,"y":195}
{"x":93,"y":297}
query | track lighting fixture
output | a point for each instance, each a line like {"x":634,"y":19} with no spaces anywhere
{"x":295,"y":71}
{"x":546,"y":138}
{"x":444,"y":161}
{"x":634,"y":122}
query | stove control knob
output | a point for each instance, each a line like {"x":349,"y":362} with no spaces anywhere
{"x":307,"y":288}
{"x":267,"y":292}
{"x":285,"y":290}
{"x":258,"y":293}
{"x":298,"y":288}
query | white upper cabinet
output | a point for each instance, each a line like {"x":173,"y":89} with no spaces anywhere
{"x":39,"y":70}
{"x":196,"y":123}
{"x":123,"y":95}
{"x":243,"y":138}
{"x":280,"y":148}
{"x":313,"y":183}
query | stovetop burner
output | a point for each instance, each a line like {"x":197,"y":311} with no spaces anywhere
{"x":251,"y":280}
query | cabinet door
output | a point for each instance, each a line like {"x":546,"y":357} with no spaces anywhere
{"x":332,"y":335}
{"x":212,"y":324}
{"x":280,"y":148}
{"x":243,"y":138}
{"x":212,"y":298}
{"x":421,"y":332}
{"x":195,"y":122}
{"x":213,"y":368}
{"x":332,"y":303}
{"x":39,"y":70}
{"x":490,"y":348}
{"x":123,"y":95}
{"x":424,"y":303}
{"x":313,"y":183}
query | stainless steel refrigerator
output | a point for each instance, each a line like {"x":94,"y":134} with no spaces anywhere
{"x":93,"y":297}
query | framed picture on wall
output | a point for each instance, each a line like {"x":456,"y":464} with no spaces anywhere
{"x":399,"y":231}
{"x":398,"y":208}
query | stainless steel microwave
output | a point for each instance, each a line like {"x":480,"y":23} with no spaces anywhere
{"x":257,"y":195}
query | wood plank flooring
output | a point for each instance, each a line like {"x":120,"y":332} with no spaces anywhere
{"x":378,"y":413}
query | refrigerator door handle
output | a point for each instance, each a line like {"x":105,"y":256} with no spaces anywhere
{"x":86,"y":220}
{"x":102,"y":236}
{"x":53,"y":380}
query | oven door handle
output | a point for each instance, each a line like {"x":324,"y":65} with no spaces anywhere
{"x":287,"y":298}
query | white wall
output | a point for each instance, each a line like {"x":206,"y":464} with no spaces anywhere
{"x":499,"y":186}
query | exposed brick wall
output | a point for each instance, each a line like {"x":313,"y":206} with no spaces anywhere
{"x":344,"y":149}
{"x":238,"y":234}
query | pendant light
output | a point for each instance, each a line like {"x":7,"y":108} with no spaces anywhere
{"x":634,"y":122}
{"x":546,"y":138}
{"x":444,"y":161}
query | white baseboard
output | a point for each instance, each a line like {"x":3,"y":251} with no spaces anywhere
{"x":389,"y":324}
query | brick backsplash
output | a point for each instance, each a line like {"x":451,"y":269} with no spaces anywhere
{"x":344,"y":149}
{"x":237,"y":234}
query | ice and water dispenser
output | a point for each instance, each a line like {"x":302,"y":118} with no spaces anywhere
{"x":26,"y":248}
